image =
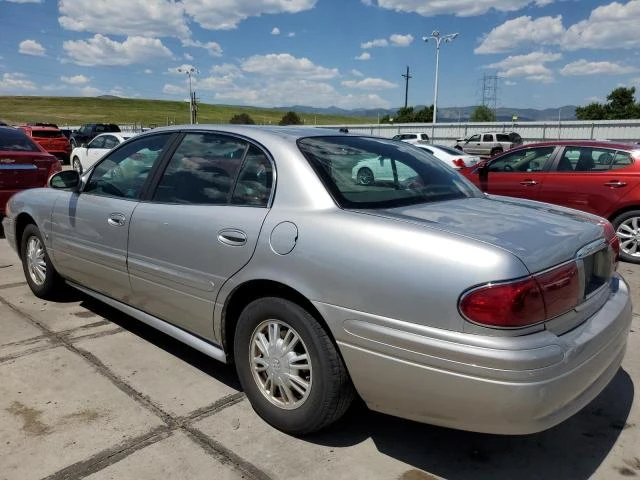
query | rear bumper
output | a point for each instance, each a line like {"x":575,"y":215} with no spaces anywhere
{"x":515,"y":385}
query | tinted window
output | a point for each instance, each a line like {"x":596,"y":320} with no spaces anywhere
{"x":526,"y":160}
{"x":123,"y":172}
{"x":487,"y":137}
{"x":586,"y":159}
{"x":97,"y":142}
{"x":255,"y":180}
{"x":503,"y":137}
{"x":515,"y":138}
{"x":202,"y":170}
{"x":46,"y":133}
{"x":110,"y":142}
{"x":424,"y":136}
{"x":374,"y":173}
{"x":15,"y":140}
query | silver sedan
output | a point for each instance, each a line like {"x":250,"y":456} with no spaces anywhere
{"x":415,"y":291}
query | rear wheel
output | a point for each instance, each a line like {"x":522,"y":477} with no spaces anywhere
{"x":627,"y":226}
{"x":77,"y":166}
{"x":289,"y":368}
{"x":496,"y":151}
{"x":41,"y":277}
{"x":365,"y":176}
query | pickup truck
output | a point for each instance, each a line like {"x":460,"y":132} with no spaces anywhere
{"x":88,"y":131}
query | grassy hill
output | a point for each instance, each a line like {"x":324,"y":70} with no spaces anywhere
{"x":78,"y":110}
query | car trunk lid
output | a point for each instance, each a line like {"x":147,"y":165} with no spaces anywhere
{"x":24,"y":169}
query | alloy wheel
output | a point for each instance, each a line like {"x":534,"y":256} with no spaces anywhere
{"x":36,"y":263}
{"x":629,"y":234}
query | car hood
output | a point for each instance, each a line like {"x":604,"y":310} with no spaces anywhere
{"x":539,"y":234}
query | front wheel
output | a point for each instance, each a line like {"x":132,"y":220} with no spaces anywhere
{"x":289,"y":368}
{"x":496,"y":151}
{"x":77,"y":166}
{"x":627,"y":226}
{"x":41,"y":277}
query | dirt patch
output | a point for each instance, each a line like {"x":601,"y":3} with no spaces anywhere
{"x":31,"y":423}
{"x":417,"y":475}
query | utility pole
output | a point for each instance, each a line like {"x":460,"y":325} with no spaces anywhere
{"x":192,"y":95}
{"x":406,"y":76}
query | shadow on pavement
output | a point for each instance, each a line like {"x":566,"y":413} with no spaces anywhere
{"x":573,"y":449}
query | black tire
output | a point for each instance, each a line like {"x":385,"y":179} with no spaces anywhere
{"x":458,"y":147}
{"x":330,"y":392}
{"x":627,"y":217}
{"x":52,"y":283}
{"x":496,"y":151}
{"x":365,"y":177}
{"x":77,"y":166}
{"x":73,"y":143}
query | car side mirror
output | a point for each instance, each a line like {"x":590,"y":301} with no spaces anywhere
{"x":64,"y":180}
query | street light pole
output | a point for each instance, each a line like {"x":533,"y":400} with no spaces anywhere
{"x":190,"y":71}
{"x":435,"y":36}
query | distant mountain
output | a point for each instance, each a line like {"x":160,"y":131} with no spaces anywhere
{"x":448,"y":114}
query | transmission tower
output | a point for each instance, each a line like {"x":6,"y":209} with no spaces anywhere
{"x":490,"y":92}
{"x":406,"y":76}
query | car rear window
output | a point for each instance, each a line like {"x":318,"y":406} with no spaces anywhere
{"x":46,"y":133}
{"x":503,"y":137}
{"x":15,"y":140}
{"x":373,"y":173}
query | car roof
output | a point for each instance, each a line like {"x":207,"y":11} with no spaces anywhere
{"x":292,"y":133}
{"x":39,"y":128}
{"x":582,"y":143}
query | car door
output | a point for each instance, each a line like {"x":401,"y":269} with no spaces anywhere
{"x":198,"y":227}
{"x":472,"y":145}
{"x":591,"y":179}
{"x":518,"y":173}
{"x":90,"y":227}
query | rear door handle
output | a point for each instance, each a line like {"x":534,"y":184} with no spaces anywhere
{"x":116,"y":219}
{"x":232,"y":237}
{"x":528,"y":183}
{"x":615,"y":184}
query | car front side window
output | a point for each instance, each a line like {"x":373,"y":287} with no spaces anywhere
{"x":526,"y":160}
{"x":124,"y":172}
{"x":97,"y":142}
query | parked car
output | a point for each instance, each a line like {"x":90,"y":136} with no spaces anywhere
{"x":83,"y":157}
{"x":88,"y":131}
{"x":489,"y":143}
{"x":411,"y":137}
{"x":602,"y":178}
{"x":23,"y":164}
{"x":452,"y":157}
{"x":51,"y":139}
{"x":431,"y":300}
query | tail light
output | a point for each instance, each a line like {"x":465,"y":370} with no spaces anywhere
{"x":614,"y":241}
{"x":458,"y":162}
{"x":524,"y":302}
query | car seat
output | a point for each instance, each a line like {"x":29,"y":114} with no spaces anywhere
{"x":564,"y":165}
{"x":585,"y":162}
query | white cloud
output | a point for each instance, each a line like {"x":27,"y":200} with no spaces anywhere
{"x":401,"y":40}
{"x":226,"y":69}
{"x":378,"y":42}
{"x":595,"y":99}
{"x":356,"y":73}
{"x":531,"y":66}
{"x":91,"y":92}
{"x":286,"y":65}
{"x":510,"y":83}
{"x":364,"y":56}
{"x":140,"y":18}
{"x":214,"y":49}
{"x":174,"y":89}
{"x":15,"y":83}
{"x":369,"y":84}
{"x":584,"y":67}
{"x":275,"y":31}
{"x":225,"y":15}
{"x":101,"y":50}
{"x":188,"y":56}
{"x":75,"y":80}
{"x":291,"y":34}
{"x":522,"y":31}
{"x":611,"y":26}
{"x":31,"y":47}
{"x":25,"y":1}
{"x":460,"y":8}
{"x":148,"y":71}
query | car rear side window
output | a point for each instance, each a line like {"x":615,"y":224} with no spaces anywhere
{"x":487,"y":137}
{"x":202,"y":170}
{"x":124,"y":172}
{"x":371,"y":173}
{"x":503,"y":137}
{"x":586,"y":159}
{"x":621,"y":160}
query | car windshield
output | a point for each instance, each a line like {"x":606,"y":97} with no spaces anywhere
{"x":372,"y":173}
{"x":14,"y":140}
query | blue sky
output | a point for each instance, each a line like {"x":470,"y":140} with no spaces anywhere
{"x":346,"y":53}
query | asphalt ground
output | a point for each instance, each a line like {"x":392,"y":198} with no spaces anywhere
{"x":88,"y":392}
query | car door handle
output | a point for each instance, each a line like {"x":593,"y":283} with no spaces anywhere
{"x":116,"y":220}
{"x":528,"y":183}
{"x":232,"y":237}
{"x":615,"y":184}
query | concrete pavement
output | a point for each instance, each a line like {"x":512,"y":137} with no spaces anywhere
{"x":87,"y":392}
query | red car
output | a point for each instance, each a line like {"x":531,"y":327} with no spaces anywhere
{"x":52,"y":139}
{"x":597,"y":177}
{"x":23,"y":164}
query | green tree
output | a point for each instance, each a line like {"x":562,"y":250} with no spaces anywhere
{"x":593,"y":111}
{"x":290,"y":118}
{"x":242,"y":119}
{"x":621,"y":104}
{"x":482,"y":113}
{"x":425,"y":115}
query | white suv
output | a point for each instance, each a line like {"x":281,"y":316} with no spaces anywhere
{"x":412,"y":137}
